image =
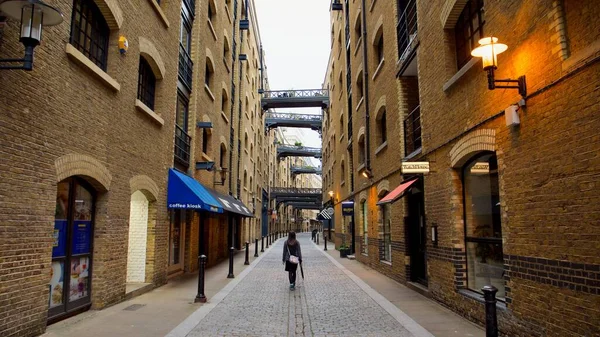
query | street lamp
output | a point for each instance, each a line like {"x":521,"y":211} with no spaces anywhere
{"x":33,"y":15}
{"x":488,"y":50}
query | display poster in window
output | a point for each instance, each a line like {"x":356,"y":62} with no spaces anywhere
{"x":59,"y":236}
{"x":56,"y":284}
{"x":78,"y":286}
{"x":82,"y":232}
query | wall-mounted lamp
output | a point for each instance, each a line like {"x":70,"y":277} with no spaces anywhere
{"x":434,"y":234}
{"x":33,"y":15}
{"x":205,"y":165}
{"x":367,"y":173}
{"x":331,"y":194}
{"x":223,"y":176}
{"x":488,"y":51}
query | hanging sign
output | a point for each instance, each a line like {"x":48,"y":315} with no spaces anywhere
{"x":415,"y":167}
{"x":348,"y":208}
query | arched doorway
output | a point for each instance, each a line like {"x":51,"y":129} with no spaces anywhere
{"x":138,"y":238}
{"x":72,"y":253}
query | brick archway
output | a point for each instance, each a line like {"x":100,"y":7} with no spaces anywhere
{"x":85,"y":166}
{"x":471,"y":144}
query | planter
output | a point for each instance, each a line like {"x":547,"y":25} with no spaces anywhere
{"x":344,"y":252}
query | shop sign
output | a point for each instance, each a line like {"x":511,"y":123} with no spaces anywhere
{"x":348,"y":208}
{"x":480,"y":168}
{"x":60,"y":238}
{"x":415,"y":167}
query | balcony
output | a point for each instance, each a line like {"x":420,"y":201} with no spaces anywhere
{"x":407,"y":37}
{"x":293,"y":120}
{"x":412,"y":132}
{"x":185,"y":67}
{"x":182,"y":146}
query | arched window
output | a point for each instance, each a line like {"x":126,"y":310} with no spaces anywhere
{"x":379,"y":50}
{"x":209,"y":73}
{"x":224,"y":100}
{"x":382,"y":127}
{"x":205,"y":141}
{"x":146,"y":84}
{"x":90,"y":32}
{"x":222,"y":156}
{"x":361,"y":149}
{"x":483,"y":230}
{"x":359,"y":85}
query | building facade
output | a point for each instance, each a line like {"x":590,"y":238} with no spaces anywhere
{"x":474,"y":188}
{"x":99,"y":133}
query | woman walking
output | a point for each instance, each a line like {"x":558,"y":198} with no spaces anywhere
{"x":292,"y":255}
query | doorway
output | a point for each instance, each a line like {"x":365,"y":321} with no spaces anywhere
{"x":176,"y":241}
{"x":72,"y":253}
{"x":417,"y":233}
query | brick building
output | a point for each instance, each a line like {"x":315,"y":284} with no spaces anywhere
{"x":463,"y":196}
{"x":95,"y":141}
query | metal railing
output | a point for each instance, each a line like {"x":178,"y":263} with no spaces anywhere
{"x":292,"y":150}
{"x":296,"y":93}
{"x":295,"y":117}
{"x":191,"y":5}
{"x":412,"y":131}
{"x":182,"y":146}
{"x":305,"y":170}
{"x":185,"y":67}
{"x":280,"y":191}
{"x":406,"y":28}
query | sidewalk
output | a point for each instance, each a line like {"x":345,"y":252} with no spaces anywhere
{"x":438,"y":320}
{"x":155,"y":313}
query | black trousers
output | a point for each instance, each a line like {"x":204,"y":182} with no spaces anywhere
{"x":291,"y":269}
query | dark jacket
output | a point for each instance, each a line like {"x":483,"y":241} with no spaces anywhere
{"x":294,"y":250}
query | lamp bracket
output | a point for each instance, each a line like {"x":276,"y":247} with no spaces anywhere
{"x":521,"y":84}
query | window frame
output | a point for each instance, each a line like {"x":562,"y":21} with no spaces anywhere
{"x":99,"y":32}
{"x":465,"y":44}
{"x":146,"y":84}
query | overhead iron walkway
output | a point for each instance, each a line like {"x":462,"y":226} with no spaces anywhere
{"x":298,"y":151}
{"x":275,"y":120}
{"x":309,"y":98}
{"x":295,"y":192}
{"x":305,"y":170}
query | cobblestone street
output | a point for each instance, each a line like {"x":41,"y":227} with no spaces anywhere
{"x":328,"y":302}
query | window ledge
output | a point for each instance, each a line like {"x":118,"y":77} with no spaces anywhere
{"x":226,"y":65}
{"x":358,"y":44}
{"x":212,"y":30}
{"x":228,"y":14}
{"x":381,"y":148}
{"x":225,"y":117}
{"x":362,"y":99}
{"x":144,"y":108}
{"x":360,"y":168}
{"x":86,"y":63}
{"x":160,"y":12}
{"x":413,"y":154}
{"x":210,"y":94}
{"x":580,"y":58}
{"x":460,"y":73}
{"x":389,"y":263}
{"x":206,"y":157}
{"x":377,"y":71}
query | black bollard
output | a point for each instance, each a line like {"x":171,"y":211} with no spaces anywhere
{"x":230,"y":275}
{"x":255,"y":247}
{"x":317,"y":238}
{"x":200,"y":297}
{"x":491,"y":320}
{"x":262,"y":244}
{"x":325,"y":238}
{"x":267,"y":239}
{"x":247,"y":262}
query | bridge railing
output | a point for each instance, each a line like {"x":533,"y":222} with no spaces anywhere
{"x":288,"y":116}
{"x":296,"y":93}
{"x":295,"y":190}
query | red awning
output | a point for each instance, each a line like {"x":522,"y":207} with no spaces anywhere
{"x":397,"y":193}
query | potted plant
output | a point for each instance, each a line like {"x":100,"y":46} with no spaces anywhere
{"x":343,"y":250}
{"x":298,"y":144}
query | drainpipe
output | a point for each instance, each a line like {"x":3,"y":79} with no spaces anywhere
{"x":366,"y":87}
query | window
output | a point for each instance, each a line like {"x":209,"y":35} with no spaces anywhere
{"x":358,"y":31}
{"x":382,"y":128}
{"x":146,"y":84}
{"x":208,"y":75}
{"x":205,"y":141}
{"x":483,"y":232}
{"x":222,"y":156}
{"x":379,"y":49}
{"x":387,"y":232}
{"x":359,"y":86}
{"x":361,"y":150}
{"x":365,"y":227}
{"x":89,"y":32}
{"x":341,"y":126}
{"x":211,"y":11}
{"x":468,"y":31}
{"x":224,"y":100}
{"x":343,"y":173}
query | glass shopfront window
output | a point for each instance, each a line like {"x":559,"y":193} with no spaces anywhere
{"x":483,"y":232}
{"x":70,"y":278}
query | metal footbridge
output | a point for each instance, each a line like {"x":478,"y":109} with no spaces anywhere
{"x":309,"y":98}
{"x":305,"y":170}
{"x":298,"y":151}
{"x":275,"y":120}
{"x":297,"y":195}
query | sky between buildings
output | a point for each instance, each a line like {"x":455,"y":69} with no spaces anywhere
{"x":295,"y":37}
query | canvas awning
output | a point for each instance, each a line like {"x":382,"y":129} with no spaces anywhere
{"x":397,"y":193}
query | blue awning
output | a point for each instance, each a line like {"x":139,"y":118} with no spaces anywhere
{"x":184,"y":192}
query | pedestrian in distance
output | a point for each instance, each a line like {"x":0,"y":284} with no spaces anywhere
{"x":292,"y":255}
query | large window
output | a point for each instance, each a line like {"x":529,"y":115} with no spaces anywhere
{"x":146,"y":84}
{"x":468,"y":31}
{"x":387,"y":232}
{"x":483,"y":232}
{"x":365,"y":229}
{"x":89,"y":32}
{"x":382,"y":128}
